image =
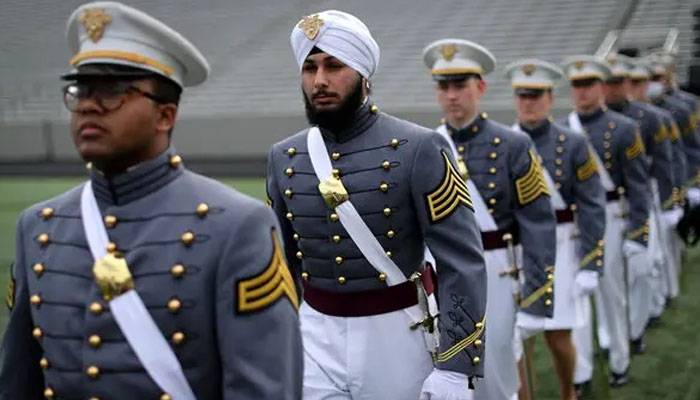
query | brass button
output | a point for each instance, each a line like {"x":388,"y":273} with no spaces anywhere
{"x":491,"y":210}
{"x":492,"y":185}
{"x":187,"y":238}
{"x":289,"y":171}
{"x":387,"y":212}
{"x":88,"y":166}
{"x":550,"y":290}
{"x":37,"y":333}
{"x":550,"y":277}
{"x":47,"y":213}
{"x":44,"y":363}
{"x":394,"y":143}
{"x":296,"y":237}
{"x":475,"y":129}
{"x":484,"y":115}
{"x":389,"y":253}
{"x":606,"y":145}
{"x":548,"y":302}
{"x":291,"y":151}
{"x":558,"y":172}
{"x":336,"y":172}
{"x":290,"y":216}
{"x":341,"y":280}
{"x":202,"y":210}
{"x":390,"y":234}
{"x":460,"y":149}
{"x":95,"y":341}
{"x":599,"y":263}
{"x":477,"y":360}
{"x":607,"y":155}
{"x":334,"y":217}
{"x":492,"y":170}
{"x":478,"y":343}
{"x":384,"y":187}
{"x":496,"y":141}
{"x":92,"y":371}
{"x":386,"y":165}
{"x":288,"y":192}
{"x":35,"y":300}
{"x":110,"y":221}
{"x":339,"y":260}
{"x":557,"y":185}
{"x":382,"y":277}
{"x":607,"y":135}
{"x":493,"y":155}
{"x":479,"y":325}
{"x":178,"y":270}
{"x":562,"y":137}
{"x":607,"y":165}
{"x":335,"y":156}
{"x":43,"y":239}
{"x":611,"y":125}
{"x":300,"y":255}
{"x":492,"y":201}
{"x":94,"y":398}
{"x":175,"y":161}
{"x":558,"y":161}
{"x":165,"y":396}
{"x":111,"y":247}
{"x":336,"y":238}
{"x":178,"y":338}
{"x":48,"y":393}
{"x":305,"y":276}
{"x":559,"y":149}
{"x":174,"y":305}
{"x":373,"y":109}
{"x":38,"y":269}
{"x":96,"y":308}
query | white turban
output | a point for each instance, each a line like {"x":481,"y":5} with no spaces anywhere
{"x":339,"y":34}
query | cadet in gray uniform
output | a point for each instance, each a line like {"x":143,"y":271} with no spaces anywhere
{"x":620,"y":148}
{"x":506,"y":172}
{"x":402,"y":181}
{"x":657,"y":147}
{"x":567,"y":157}
{"x":672,"y":209}
{"x":205,"y":262}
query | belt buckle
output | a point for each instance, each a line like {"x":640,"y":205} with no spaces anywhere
{"x":333,"y":191}
{"x":112,"y":276}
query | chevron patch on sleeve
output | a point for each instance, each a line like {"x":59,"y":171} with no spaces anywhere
{"x":636,"y":148}
{"x":260,"y":291}
{"x":587,"y":169}
{"x":531,"y":185}
{"x":449,"y":194}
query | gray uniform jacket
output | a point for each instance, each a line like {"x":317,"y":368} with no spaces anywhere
{"x":657,"y":144}
{"x":504,"y":167}
{"x":193,"y":246}
{"x":684,"y":108}
{"x":566,"y":155}
{"x":402,"y":180}
{"x":619,"y":145}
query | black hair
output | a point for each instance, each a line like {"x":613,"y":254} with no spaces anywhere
{"x":166,"y":90}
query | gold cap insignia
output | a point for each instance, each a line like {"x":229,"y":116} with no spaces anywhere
{"x":311,"y":25}
{"x":529,"y":69}
{"x":448,"y":51}
{"x":579,"y":64}
{"x":95,"y":20}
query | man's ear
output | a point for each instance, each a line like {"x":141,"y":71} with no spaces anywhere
{"x":167,"y":114}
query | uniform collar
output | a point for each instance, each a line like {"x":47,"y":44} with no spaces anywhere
{"x":619,"y":107}
{"x":470,"y":131}
{"x":586,"y":118}
{"x":365,"y":116}
{"x":138,"y":181}
{"x":538,"y":130}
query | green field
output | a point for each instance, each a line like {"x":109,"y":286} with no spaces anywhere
{"x":668,"y":370}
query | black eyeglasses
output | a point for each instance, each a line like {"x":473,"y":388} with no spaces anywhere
{"x":109,"y":95}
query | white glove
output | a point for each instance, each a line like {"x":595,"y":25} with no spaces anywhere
{"x":586,"y":282}
{"x":631,"y":248}
{"x":529,"y":325}
{"x":693,"y":196}
{"x":446,"y":385}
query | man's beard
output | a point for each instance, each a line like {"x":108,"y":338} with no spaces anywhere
{"x":340,"y":118}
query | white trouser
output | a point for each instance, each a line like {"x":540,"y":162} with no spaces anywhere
{"x":610,"y":298}
{"x":639,"y":293}
{"x":500,"y":366}
{"x":567,"y":305}
{"x":674,"y":247}
{"x":659,"y":277}
{"x":582,"y":337}
{"x":362,"y":358}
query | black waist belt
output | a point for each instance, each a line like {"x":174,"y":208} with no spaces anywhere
{"x":495,"y":239}
{"x":564,"y":216}
{"x":612,"y":195}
